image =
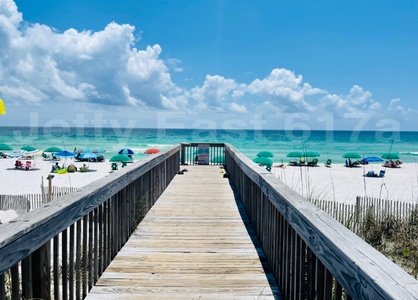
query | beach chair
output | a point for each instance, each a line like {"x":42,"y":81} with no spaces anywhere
{"x":18,"y":164}
{"x":371,"y":174}
{"x":328,"y":163}
{"x":382,"y":173}
{"x":83,"y":169}
{"x":28,"y":165}
{"x":114,"y":166}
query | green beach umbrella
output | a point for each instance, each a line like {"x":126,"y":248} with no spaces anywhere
{"x":5,"y":147}
{"x":311,"y":154}
{"x":28,"y":148}
{"x":53,"y":149}
{"x":351,"y":155}
{"x":220,"y":159}
{"x":294,"y":154}
{"x":390,"y":156}
{"x":120,"y":158}
{"x":263,"y":161}
{"x":265,"y":154}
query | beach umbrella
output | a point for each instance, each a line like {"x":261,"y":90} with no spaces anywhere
{"x":126,"y":151}
{"x":152,"y":151}
{"x":311,"y":154}
{"x":5,"y":147}
{"x":371,"y":159}
{"x":294,"y":154}
{"x":265,"y":154}
{"x":64,"y":154}
{"x":81,"y":150}
{"x":263,"y":161}
{"x":390,"y":155}
{"x":28,"y":148}
{"x":120,"y":158}
{"x":98,"y":150}
{"x":88,"y":155}
{"x":351,"y":155}
{"x":220,"y":159}
{"x":32,"y":153}
{"x":52,"y":149}
{"x":2,"y":108}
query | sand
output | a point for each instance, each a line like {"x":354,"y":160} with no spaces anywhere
{"x":337,"y":183}
{"x":342,"y":184}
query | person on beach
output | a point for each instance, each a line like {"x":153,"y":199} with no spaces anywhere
{"x":55,"y":167}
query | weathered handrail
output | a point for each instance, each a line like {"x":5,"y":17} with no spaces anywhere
{"x":87,"y":228}
{"x":313,"y":256}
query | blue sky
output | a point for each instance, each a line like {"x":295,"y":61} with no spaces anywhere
{"x":210,"y":64}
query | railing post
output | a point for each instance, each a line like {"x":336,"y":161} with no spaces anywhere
{"x":41,"y":274}
{"x":183,"y":153}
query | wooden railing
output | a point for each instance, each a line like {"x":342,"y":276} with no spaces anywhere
{"x":86,"y":229}
{"x":190,"y":153}
{"x":312,"y":255}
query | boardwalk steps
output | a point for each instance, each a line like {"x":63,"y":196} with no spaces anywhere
{"x":193,"y":244}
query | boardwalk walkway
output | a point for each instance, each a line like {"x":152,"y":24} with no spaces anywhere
{"x":192,"y":244}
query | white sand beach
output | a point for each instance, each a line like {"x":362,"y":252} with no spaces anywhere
{"x":20,"y":181}
{"x":337,"y":183}
{"x":342,"y":184}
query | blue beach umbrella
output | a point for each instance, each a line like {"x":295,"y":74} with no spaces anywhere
{"x":64,"y":154}
{"x":98,"y":150}
{"x":126,"y":151}
{"x":371,"y":159}
{"x":82,"y":150}
{"x":88,"y":155}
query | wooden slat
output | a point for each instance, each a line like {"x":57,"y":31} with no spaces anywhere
{"x":192,"y":244}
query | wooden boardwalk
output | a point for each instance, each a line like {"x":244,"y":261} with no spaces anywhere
{"x":193,"y":244}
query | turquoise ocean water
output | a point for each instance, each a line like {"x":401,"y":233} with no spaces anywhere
{"x":330,"y":144}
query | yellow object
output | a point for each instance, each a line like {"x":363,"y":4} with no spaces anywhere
{"x":2,"y":108}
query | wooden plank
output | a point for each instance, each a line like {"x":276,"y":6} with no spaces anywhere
{"x":192,"y":244}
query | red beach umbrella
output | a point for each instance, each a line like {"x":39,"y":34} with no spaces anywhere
{"x":152,"y":151}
